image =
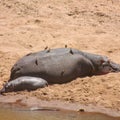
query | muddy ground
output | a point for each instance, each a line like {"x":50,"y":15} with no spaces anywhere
{"x":93,"y":26}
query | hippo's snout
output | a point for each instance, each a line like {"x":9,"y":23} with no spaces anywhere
{"x":115,"y":67}
{"x":6,"y":88}
{"x":2,"y":90}
{"x":106,"y":67}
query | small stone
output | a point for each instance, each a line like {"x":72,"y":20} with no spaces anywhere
{"x":30,"y":46}
{"x":110,"y":51}
{"x":81,"y":110}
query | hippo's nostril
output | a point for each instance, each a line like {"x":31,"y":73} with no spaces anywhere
{"x":115,"y":69}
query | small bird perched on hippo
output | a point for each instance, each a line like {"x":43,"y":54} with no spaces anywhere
{"x":61,"y":65}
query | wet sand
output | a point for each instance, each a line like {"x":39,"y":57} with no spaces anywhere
{"x":33,"y":104}
{"x":28,"y":114}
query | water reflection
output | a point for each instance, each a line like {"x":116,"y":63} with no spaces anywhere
{"x":16,"y":114}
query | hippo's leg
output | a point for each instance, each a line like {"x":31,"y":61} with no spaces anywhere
{"x":24,"y":83}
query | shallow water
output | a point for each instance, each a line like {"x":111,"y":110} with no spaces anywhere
{"x":20,"y":114}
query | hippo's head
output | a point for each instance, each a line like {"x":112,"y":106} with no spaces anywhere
{"x":8,"y":87}
{"x":104,"y":66}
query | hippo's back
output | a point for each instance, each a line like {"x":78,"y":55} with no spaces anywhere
{"x":55,"y":66}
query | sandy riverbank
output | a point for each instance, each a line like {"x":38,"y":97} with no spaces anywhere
{"x":92,"y":26}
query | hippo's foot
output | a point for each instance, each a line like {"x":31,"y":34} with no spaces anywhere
{"x":24,"y":83}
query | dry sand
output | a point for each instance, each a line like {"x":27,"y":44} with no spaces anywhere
{"x":93,"y":26}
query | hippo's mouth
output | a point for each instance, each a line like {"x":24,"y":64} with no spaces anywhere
{"x":114,"y":67}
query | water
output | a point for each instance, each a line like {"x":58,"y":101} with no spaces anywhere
{"x":18,"y":114}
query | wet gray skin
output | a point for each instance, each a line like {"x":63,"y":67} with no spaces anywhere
{"x":102,"y":64}
{"x":70,"y":63}
{"x":107,"y":67}
{"x":24,"y":83}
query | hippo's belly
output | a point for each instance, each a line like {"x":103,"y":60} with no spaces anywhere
{"x":60,"y":69}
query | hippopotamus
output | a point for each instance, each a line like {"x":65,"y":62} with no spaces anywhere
{"x":24,"y":83}
{"x":62,"y":65}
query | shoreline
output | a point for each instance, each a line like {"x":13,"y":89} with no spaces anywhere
{"x":35,"y":104}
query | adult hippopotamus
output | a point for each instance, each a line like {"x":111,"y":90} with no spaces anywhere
{"x":62,"y":65}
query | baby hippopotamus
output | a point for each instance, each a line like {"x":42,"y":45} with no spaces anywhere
{"x":24,"y":83}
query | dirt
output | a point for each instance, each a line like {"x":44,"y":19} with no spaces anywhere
{"x":92,"y":26}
